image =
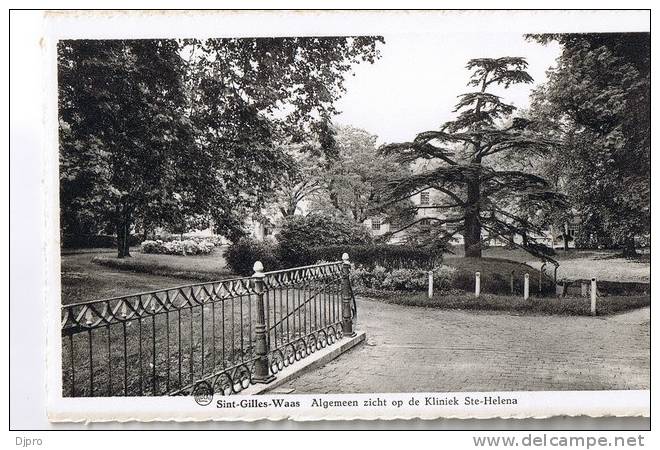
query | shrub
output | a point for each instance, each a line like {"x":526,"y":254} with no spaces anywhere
{"x":411,"y":280}
{"x":187,"y":247}
{"x":241,"y":256}
{"x":300,"y":234}
{"x":443,"y":278}
{"x":406,"y":280}
{"x":372,"y":278}
{"x":386,"y":255}
{"x":214,"y":238}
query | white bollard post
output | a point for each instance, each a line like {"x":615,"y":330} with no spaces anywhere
{"x":594,"y":292}
{"x":477,"y":284}
{"x":526,"y":293}
{"x":430,"y":284}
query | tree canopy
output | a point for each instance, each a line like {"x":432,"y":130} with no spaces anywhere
{"x":597,"y":103}
{"x":157,"y":132}
{"x":354,"y":181}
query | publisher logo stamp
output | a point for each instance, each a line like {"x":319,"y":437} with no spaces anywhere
{"x":203,"y":393}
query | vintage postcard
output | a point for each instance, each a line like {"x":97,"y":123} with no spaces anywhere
{"x":317,"y":215}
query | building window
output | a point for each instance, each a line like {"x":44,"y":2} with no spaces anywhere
{"x":572,"y":229}
{"x":425,"y":225}
{"x":424,"y":198}
{"x":375,"y":223}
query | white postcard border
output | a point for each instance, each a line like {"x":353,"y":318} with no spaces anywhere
{"x":97,"y":25}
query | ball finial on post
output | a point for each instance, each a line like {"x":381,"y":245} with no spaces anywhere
{"x":344,"y":258}
{"x":258,"y":269}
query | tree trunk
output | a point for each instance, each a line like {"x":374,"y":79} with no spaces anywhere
{"x":123,"y":232}
{"x":472,"y":237}
{"x":565,"y":236}
{"x":120,"y":240}
{"x":629,"y":248}
{"x":119,"y":229}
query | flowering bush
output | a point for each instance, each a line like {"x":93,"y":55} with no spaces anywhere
{"x":406,"y":280}
{"x":443,"y":277}
{"x":185,"y":247}
{"x":380,"y":278}
{"x":369,"y":278}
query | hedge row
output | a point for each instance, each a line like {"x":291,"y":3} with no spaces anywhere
{"x":385,"y":255}
{"x":241,"y":256}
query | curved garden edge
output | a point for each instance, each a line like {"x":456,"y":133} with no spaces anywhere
{"x":569,"y":306}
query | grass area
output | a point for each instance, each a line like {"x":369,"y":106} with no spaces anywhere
{"x":82,"y":280}
{"x":579,"y":264}
{"x":603,"y":268}
{"x":569,"y":306}
{"x":496,"y":275}
{"x":209,"y":267}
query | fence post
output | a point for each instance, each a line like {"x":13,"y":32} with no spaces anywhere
{"x":347,"y":320}
{"x":594,"y":293}
{"x":477,"y":284}
{"x":430,"y":284}
{"x":526,"y":292}
{"x":261,"y":371}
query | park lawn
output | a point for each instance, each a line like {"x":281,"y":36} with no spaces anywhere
{"x":82,"y":280}
{"x":209,"y":267}
{"x":602,"y":266}
{"x":578,"y":264}
{"x":567,"y":306}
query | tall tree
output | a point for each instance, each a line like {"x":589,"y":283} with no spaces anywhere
{"x":354,"y":181}
{"x":122,"y":130}
{"x":476,"y":191}
{"x":597,"y":101}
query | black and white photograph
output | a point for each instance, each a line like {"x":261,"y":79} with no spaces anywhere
{"x":417,"y":222}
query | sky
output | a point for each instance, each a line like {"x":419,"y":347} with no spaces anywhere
{"x":414,"y":86}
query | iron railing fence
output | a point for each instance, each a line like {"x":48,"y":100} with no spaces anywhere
{"x":227,"y":334}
